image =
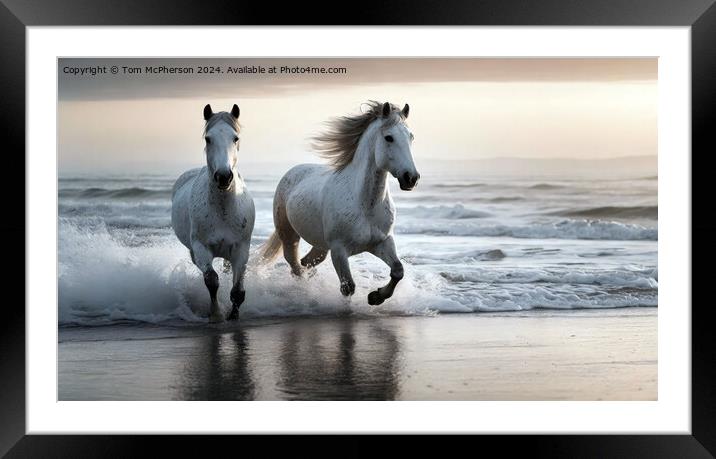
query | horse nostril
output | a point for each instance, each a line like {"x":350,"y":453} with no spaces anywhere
{"x":406,"y":177}
{"x":223,"y":179}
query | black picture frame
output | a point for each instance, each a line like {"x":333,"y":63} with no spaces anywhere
{"x":16,"y":15}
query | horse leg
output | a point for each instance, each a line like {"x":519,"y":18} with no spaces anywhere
{"x":239,"y":257}
{"x":290,"y":253}
{"x":386,"y":252}
{"x":289,"y":238}
{"x":339,"y":256}
{"x":202,"y":259}
{"x":314,"y":257}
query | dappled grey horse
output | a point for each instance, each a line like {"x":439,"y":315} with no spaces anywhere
{"x":345,"y":207}
{"x":212,"y":210}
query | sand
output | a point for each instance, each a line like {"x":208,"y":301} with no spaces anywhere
{"x":534,"y":355}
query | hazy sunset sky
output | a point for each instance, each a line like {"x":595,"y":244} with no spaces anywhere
{"x":467,"y":108}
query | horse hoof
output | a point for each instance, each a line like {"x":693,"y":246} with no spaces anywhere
{"x":234,"y":314}
{"x":348,"y":290}
{"x":375,"y":298}
{"x":216,"y":318}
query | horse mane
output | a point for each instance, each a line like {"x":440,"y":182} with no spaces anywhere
{"x":222,"y":116}
{"x":339,"y":142}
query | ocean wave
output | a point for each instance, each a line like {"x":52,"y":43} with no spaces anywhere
{"x":470,"y":256}
{"x":565,"y":229}
{"x":117,"y":193}
{"x":546,"y":186}
{"x":77,"y":179}
{"x":650,"y":212}
{"x":616,"y":278}
{"x":483,"y":255}
{"x":457,"y":212}
{"x":506,"y":199}
{"x":459,"y":185}
{"x":521,"y":297}
{"x":136,"y":215}
{"x":104,"y":280}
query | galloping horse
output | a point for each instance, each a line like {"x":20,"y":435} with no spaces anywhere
{"x":212,"y":210}
{"x":345,"y":207}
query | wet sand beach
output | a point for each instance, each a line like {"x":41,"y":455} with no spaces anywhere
{"x":532,"y":355}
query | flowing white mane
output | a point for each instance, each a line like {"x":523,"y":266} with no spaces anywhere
{"x":339,"y":142}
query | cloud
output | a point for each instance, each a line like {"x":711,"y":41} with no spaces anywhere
{"x":359,"y":71}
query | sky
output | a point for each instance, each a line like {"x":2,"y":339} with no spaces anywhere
{"x":460,"y":108}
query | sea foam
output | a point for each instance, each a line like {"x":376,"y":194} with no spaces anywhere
{"x":104,"y":280}
{"x":564,"y":229}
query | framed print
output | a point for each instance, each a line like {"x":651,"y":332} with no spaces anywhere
{"x":379,"y":224}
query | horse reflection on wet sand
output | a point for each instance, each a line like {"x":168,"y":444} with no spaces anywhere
{"x":343,"y":359}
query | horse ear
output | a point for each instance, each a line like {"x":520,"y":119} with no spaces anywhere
{"x":207,"y":112}
{"x":386,"y":109}
{"x":235,"y":111}
{"x":406,"y":110}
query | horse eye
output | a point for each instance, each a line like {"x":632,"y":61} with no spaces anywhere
{"x":388,"y":138}
{"x":236,"y":139}
{"x":208,"y":140}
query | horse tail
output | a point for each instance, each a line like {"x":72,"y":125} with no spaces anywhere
{"x":270,"y":249}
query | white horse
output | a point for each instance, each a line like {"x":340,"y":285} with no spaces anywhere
{"x":345,"y":207}
{"x":212,"y":210}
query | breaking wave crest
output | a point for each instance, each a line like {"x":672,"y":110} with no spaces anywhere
{"x":457,"y":212}
{"x":650,"y":212}
{"x":104,"y":280}
{"x":565,"y":229}
{"x":120,"y":193}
